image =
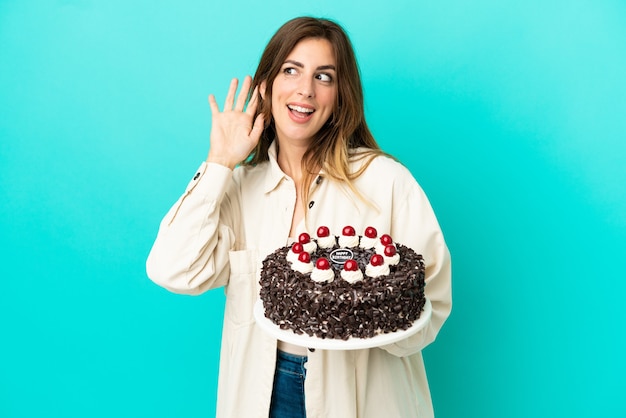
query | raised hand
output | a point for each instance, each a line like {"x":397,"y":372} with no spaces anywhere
{"x":234,"y":133}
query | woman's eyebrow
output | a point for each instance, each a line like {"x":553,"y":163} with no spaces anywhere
{"x":300,"y":65}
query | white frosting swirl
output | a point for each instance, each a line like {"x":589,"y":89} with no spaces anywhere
{"x":309,"y":247}
{"x":375,"y":271}
{"x":322,"y":276}
{"x":291,"y":256}
{"x":326,"y":242}
{"x":303,"y":268}
{"x":352,"y":276}
{"x":348,"y":241}
{"x":393,"y":260}
{"x":367,"y":243}
{"x":380,"y":248}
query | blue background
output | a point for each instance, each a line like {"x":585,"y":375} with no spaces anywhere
{"x":511,"y":114}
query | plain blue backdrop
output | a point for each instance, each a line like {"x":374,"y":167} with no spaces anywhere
{"x":511,"y":115}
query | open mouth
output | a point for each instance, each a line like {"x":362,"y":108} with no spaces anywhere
{"x":300,"y":112}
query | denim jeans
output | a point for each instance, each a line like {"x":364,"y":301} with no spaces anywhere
{"x":288,"y":391}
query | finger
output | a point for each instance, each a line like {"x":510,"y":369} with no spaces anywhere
{"x":213,"y":104}
{"x":257,"y":128}
{"x":254,"y":101}
{"x":230,"y":97}
{"x":243,"y":94}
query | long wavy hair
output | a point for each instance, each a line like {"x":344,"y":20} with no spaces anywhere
{"x":335,"y":145}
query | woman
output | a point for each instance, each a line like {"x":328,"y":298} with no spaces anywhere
{"x":297,"y":156}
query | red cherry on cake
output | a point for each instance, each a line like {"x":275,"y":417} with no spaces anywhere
{"x":304,"y":238}
{"x":386,"y":240}
{"x":377,"y":260}
{"x":322,"y":264}
{"x":390,"y":250}
{"x":297,"y":247}
{"x":371,"y":232}
{"x":348,"y":231}
{"x":323,"y":231}
{"x":304,"y":257}
{"x":350,"y":265}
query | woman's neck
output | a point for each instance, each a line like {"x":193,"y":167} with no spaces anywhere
{"x":289,"y":158}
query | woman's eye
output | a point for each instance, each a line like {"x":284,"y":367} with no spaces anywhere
{"x":325,"y":77}
{"x":289,"y":70}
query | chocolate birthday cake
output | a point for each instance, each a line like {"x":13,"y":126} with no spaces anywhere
{"x":342,"y":287}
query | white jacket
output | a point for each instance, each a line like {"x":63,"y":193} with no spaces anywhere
{"x":223,"y":226}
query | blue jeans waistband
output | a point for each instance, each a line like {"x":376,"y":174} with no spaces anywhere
{"x":293,"y":358}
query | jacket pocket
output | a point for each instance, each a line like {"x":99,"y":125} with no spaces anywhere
{"x":241,"y":291}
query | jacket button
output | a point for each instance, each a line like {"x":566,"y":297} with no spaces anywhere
{"x":196,"y":176}
{"x":311,"y":203}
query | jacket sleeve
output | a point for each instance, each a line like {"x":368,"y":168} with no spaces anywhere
{"x":191,"y":252}
{"x":415,"y":225}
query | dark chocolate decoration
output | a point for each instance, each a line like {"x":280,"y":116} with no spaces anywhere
{"x":338,"y":309}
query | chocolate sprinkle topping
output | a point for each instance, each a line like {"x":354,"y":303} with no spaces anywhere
{"x":340,"y":310}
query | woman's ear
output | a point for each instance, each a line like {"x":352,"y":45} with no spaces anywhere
{"x":262,"y":88}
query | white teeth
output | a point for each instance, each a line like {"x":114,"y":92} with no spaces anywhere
{"x":300,"y":109}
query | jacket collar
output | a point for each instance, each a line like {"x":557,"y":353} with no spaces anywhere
{"x":275,"y":174}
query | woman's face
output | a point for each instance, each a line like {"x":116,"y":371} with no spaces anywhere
{"x":304,"y":92}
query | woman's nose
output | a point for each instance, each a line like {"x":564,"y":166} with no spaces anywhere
{"x":305,"y":88}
